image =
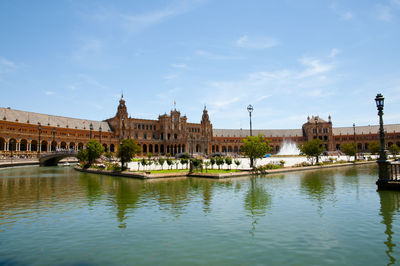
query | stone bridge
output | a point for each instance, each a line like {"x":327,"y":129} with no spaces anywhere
{"x":52,"y":158}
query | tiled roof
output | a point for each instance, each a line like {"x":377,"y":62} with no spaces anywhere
{"x":50,"y":120}
{"x":365,"y":129}
{"x":265,"y":132}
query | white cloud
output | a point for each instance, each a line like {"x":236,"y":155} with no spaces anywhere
{"x":256,"y":42}
{"x":384,"y":13}
{"x":334,"y":52}
{"x":49,"y":93}
{"x":133,"y":23}
{"x":342,"y":14}
{"x":89,"y":48}
{"x":314,"y":67}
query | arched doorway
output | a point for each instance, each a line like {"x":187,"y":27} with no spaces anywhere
{"x":2,"y":144}
{"x":156,"y":148}
{"x":80,"y":146}
{"x":63,"y":145}
{"x":23,"y":146}
{"x":43,"y":146}
{"x":72,"y":145}
{"x":112,"y":148}
{"x":53,"y":145}
{"x":151,"y":148}
{"x":105,"y":147}
{"x":34,"y":145}
{"x":144,"y":148}
{"x":12,"y":145}
{"x":162,"y":148}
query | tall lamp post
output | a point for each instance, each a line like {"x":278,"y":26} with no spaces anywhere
{"x":354,"y":140}
{"x":382,"y":161}
{"x":90,"y":128}
{"x":100,"y":134}
{"x":40,"y":144}
{"x":250,"y":109}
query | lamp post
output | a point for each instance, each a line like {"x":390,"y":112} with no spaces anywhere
{"x":354,"y":140}
{"x":90,"y":128}
{"x":100,"y":134}
{"x":53,"y":148}
{"x":382,"y":161}
{"x":250,"y":109}
{"x":40,"y":145}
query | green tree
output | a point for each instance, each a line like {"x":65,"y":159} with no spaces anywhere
{"x":394,"y":150}
{"x":350,"y":149}
{"x":149,"y":155}
{"x":312,"y":149}
{"x":212,"y":161}
{"x":82,"y":156}
{"x":143,"y":162}
{"x":92,"y":152}
{"x":161,"y":161}
{"x":374,"y":147}
{"x":169,"y":162}
{"x":228,"y":161}
{"x":185,"y":161}
{"x":126,"y":150}
{"x":219,"y":161}
{"x":237,"y":162}
{"x":255,"y":147}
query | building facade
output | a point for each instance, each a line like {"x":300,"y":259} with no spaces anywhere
{"x":27,"y":134}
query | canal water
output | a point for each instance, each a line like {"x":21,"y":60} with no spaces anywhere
{"x":57,"y":216}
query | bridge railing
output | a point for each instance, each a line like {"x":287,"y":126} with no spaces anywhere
{"x":394,"y":171}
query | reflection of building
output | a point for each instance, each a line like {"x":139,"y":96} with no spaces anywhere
{"x":26,"y":133}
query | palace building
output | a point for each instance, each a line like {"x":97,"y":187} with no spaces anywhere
{"x":26,"y":133}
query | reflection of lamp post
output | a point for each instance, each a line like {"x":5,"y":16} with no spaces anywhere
{"x":53,"y":148}
{"x":100,"y":134}
{"x":250,"y":109}
{"x":39,"y":146}
{"x":90,"y":128}
{"x":382,"y":161}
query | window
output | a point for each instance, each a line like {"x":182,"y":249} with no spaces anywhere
{"x":145,"y":135}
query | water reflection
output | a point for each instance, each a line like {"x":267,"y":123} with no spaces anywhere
{"x":256,"y":201}
{"x":318,"y":186}
{"x":390,"y":205}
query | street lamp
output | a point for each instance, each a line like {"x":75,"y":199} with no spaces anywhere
{"x":382,"y":161}
{"x":250,"y":109}
{"x":40,"y":145}
{"x":100,"y":134}
{"x":90,"y":128}
{"x":53,"y":148}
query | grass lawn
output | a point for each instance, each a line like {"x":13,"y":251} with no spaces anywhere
{"x":211,"y":171}
{"x":166,"y":171}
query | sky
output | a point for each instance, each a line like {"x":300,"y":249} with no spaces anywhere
{"x":289,"y":59}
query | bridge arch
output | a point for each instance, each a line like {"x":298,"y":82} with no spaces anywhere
{"x":52,"y":159}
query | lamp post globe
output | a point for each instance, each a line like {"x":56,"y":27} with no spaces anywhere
{"x":250,"y":110}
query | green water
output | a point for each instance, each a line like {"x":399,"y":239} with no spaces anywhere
{"x":57,"y":216}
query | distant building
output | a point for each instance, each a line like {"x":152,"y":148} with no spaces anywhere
{"x":19,"y":133}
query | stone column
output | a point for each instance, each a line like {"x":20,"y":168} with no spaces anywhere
{"x":29,"y":147}
{"x":7,"y":146}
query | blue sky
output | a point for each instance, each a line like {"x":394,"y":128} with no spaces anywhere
{"x":288,"y":58}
